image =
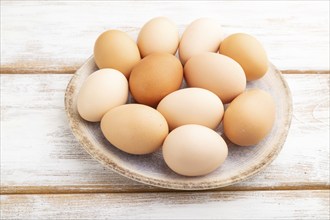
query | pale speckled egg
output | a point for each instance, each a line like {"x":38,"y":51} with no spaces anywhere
{"x":202,"y":35}
{"x":248,"y":52}
{"x":194,"y":150}
{"x":102,"y":90}
{"x":249,"y":117}
{"x":191,"y":106}
{"x":158,"y":35}
{"x":134,"y":128}
{"x":217,"y":73}
{"x":116,"y":49}
{"x":156,"y":76}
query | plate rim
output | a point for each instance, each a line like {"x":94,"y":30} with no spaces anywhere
{"x":177,"y":185}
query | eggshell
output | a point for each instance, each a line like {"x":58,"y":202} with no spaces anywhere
{"x":194,"y":150}
{"x":249,"y":118}
{"x":191,"y":106}
{"x":115,"y":49}
{"x":156,"y":76}
{"x":202,"y":35}
{"x":102,"y":90}
{"x":134,"y":128}
{"x":217,"y":73}
{"x":248,"y":52}
{"x":158,"y":35}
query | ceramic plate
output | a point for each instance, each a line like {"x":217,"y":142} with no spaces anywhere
{"x":241,"y":163}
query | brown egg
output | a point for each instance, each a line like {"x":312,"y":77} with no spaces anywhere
{"x":115,"y":49}
{"x":249,"y":117}
{"x":217,"y":73}
{"x":158,"y":35}
{"x":154,"y":77}
{"x":248,"y":52}
{"x":134,"y":128}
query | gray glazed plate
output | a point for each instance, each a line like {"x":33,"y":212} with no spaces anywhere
{"x":242,"y":162}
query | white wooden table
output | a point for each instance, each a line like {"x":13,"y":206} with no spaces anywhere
{"x":45,"y":174}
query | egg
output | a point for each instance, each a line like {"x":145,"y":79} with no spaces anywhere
{"x":102,"y":90}
{"x":248,"y":52}
{"x":194,"y":150}
{"x":202,"y":35}
{"x":134,"y":128}
{"x":115,"y":49}
{"x":191,"y":106}
{"x":156,"y":76}
{"x":217,"y":73}
{"x":158,"y":35}
{"x":249,"y":118}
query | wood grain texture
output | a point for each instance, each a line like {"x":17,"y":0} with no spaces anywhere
{"x":40,"y":155}
{"x":46,"y":174}
{"x":58,"y":40}
{"x":184,"y":205}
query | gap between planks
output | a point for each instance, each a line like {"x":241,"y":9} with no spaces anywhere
{"x":22,"y":190}
{"x":72,"y":69}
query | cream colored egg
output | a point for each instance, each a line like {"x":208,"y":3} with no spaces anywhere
{"x":249,"y":118}
{"x":191,"y":106}
{"x":194,"y":150}
{"x":202,"y":35}
{"x":217,"y":73}
{"x":117,"y":50}
{"x":248,"y":52}
{"x":102,"y":90}
{"x":158,"y":35}
{"x":134,"y":128}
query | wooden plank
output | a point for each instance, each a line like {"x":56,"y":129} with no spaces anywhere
{"x":178,"y":205}
{"x":61,"y":37}
{"x":40,"y":155}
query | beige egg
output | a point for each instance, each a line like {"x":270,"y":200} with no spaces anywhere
{"x":202,"y":35}
{"x":248,"y":52}
{"x":217,"y":73}
{"x":102,"y":90}
{"x":249,"y":118}
{"x":116,"y":49}
{"x":158,"y":35}
{"x":194,"y":150}
{"x":191,"y":106}
{"x":134,"y":128}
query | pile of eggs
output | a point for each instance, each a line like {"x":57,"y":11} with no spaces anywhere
{"x":181,"y":121}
